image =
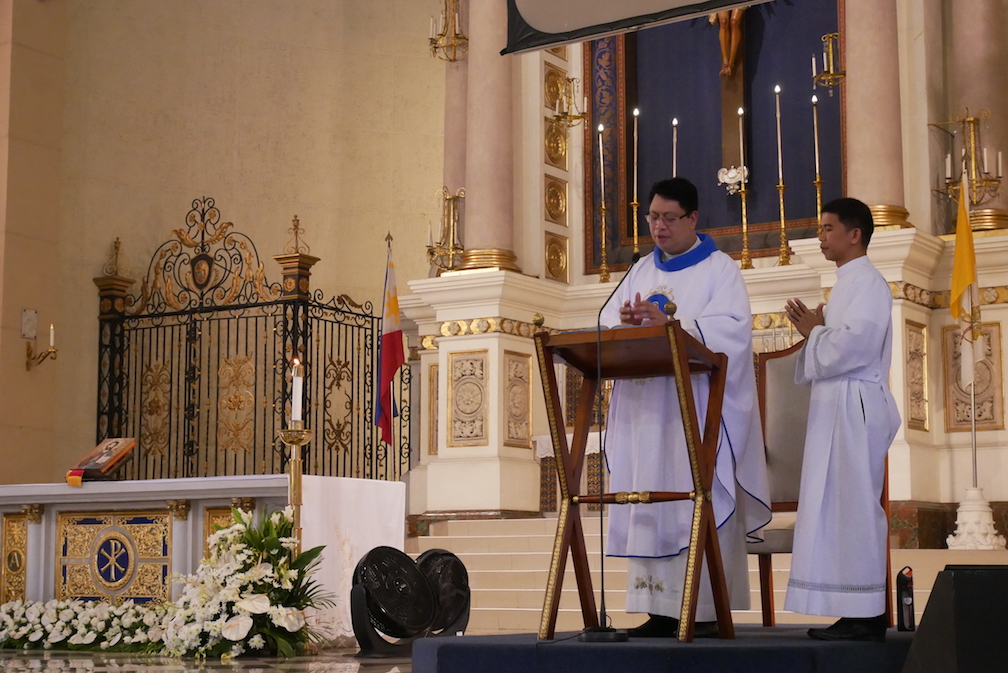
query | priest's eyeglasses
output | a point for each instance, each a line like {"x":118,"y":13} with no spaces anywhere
{"x":665,"y":218}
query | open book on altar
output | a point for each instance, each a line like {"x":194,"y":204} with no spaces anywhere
{"x":102,"y":461}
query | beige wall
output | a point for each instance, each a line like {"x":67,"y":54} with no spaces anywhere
{"x":328,"y":109}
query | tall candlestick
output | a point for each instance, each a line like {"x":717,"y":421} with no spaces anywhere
{"x":780,"y":154}
{"x":601,"y":163}
{"x":741,"y":147}
{"x":675,"y":140}
{"x":815,"y":131}
{"x":297,"y":389}
{"x":636,"y":113}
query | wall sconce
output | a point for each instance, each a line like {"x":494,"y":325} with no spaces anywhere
{"x":33,"y":359}
{"x":447,"y":41}
{"x":982,"y":185}
{"x":566,"y":111}
{"x":447,"y":252}
{"x":829,"y":76}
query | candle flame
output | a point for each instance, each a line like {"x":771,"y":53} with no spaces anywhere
{"x":601,"y":128}
{"x":636,"y":112}
{"x":675,"y":122}
{"x":776,"y":89}
{"x":741,"y":112}
{"x":814,"y":99}
{"x":296,"y":362}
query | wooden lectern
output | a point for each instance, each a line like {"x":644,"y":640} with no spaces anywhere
{"x":634,"y":352}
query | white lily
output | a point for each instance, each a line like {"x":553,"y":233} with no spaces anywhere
{"x":237,"y":627}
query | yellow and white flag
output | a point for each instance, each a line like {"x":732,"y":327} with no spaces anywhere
{"x":965,"y":300}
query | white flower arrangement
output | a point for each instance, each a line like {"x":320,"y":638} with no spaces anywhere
{"x":250,"y":593}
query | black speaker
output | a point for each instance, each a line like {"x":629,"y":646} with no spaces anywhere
{"x":964,"y":628}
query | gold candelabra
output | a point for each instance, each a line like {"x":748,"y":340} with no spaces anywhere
{"x":447,"y":252}
{"x":830,"y":75}
{"x":447,"y":41}
{"x":982,"y":185}
{"x":295,"y":437}
{"x":604,"y":266}
{"x":746,"y":257}
{"x":566,"y":110}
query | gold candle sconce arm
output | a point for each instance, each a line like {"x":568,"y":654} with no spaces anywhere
{"x":35,"y":359}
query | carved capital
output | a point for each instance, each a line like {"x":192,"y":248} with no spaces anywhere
{"x":33,"y":512}
{"x":244,"y":504}
{"x":179,"y":509}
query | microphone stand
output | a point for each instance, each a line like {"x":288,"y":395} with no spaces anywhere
{"x":603,"y":633}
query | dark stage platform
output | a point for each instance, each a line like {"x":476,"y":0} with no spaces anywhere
{"x":782,"y":649}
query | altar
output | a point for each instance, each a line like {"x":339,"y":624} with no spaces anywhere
{"x":122,"y":540}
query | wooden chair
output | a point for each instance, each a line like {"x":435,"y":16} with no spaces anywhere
{"x":784,"y":407}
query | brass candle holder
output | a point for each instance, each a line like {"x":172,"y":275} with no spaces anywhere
{"x":295,"y":437}
{"x":35,"y":359}
{"x":784,"y":255}
{"x":746,"y":258}
{"x":604,"y":266}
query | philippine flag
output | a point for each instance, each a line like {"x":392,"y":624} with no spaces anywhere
{"x":391,"y":354}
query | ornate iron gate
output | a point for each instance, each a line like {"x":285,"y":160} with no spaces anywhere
{"x":197,"y":367}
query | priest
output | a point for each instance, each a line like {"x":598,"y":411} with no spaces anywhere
{"x":646,"y":445}
{"x":838,"y":564}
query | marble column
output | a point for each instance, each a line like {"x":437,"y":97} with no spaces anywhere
{"x":872,"y":88}
{"x":977,"y":82}
{"x":489,"y":160}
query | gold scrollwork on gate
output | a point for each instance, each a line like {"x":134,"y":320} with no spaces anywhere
{"x":155,"y":391}
{"x":339,"y":409}
{"x":236,"y":404}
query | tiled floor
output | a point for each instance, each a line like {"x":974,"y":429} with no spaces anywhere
{"x":36,"y":661}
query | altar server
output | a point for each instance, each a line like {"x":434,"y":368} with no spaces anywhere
{"x":646,"y":446}
{"x":838,"y":567}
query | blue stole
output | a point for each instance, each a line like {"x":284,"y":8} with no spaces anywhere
{"x":687,"y":259}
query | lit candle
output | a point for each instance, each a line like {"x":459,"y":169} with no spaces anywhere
{"x":814,"y":72}
{"x":780,"y":155}
{"x":815,"y":132}
{"x":52,"y":335}
{"x":297,"y":385}
{"x":675,"y":140}
{"x":741,"y":147}
{"x":601,"y":163}
{"x":636,"y":113}
{"x":948,"y":166}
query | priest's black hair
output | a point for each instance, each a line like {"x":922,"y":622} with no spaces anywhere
{"x":680,"y":190}
{"x":853,"y":214}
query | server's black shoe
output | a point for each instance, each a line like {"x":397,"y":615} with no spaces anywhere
{"x":872,"y":629}
{"x":658,"y":626}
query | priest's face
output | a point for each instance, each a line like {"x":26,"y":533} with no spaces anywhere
{"x":673,"y":231}
{"x":838,"y":243}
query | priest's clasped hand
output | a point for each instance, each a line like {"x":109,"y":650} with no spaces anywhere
{"x":804,"y":318}
{"x":642,"y":312}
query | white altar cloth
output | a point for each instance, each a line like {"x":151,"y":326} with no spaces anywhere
{"x":348,"y":516}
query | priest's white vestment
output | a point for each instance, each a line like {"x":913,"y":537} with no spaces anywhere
{"x":646,"y":446}
{"x":838,"y":564}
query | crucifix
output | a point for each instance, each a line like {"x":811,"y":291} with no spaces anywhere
{"x":730,"y":35}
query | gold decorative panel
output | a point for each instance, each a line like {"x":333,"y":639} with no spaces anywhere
{"x":556,"y":200}
{"x":556,"y":144}
{"x":557,"y":266}
{"x":15,"y":558}
{"x":113,"y":556}
{"x":467,"y":398}
{"x":432,"y":397}
{"x":518,"y":400}
{"x":989,"y":387}
{"x":554,"y":84}
{"x":916,"y":376}
{"x":236,"y":404}
{"x":214,"y":517}
{"x":155,"y":391}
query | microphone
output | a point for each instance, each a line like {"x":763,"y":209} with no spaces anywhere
{"x":603,"y":633}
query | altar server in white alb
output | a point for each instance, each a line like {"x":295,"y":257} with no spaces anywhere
{"x":838,"y":566}
{"x":646,"y":446}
